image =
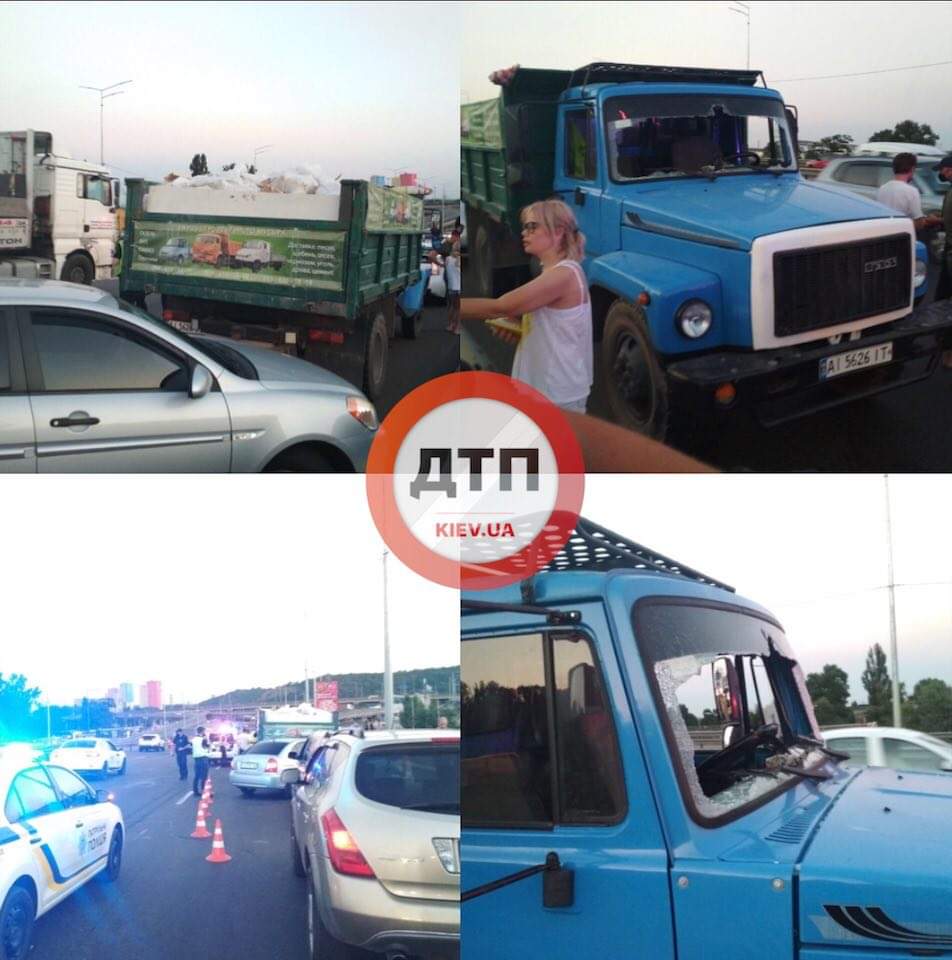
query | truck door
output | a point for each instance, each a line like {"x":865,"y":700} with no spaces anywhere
{"x":552,"y":774}
{"x":17,"y":442}
{"x":577,"y":177}
{"x":107,"y":397}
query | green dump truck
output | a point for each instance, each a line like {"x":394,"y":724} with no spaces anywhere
{"x":327,"y":291}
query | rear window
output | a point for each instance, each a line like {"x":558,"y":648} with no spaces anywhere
{"x":79,"y":744}
{"x":412,"y":777}
{"x":271,"y":747}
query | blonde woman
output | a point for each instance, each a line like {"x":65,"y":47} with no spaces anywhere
{"x":554,"y":352}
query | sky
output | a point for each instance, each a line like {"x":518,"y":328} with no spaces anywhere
{"x":208,"y":584}
{"x":812,"y":549}
{"x":358,"y":88}
{"x":788,"y":41}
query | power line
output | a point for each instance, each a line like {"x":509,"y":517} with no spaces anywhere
{"x":867,"y":73}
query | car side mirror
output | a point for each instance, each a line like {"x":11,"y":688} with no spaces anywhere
{"x":946,"y":765}
{"x":729,"y":734}
{"x":201,"y":382}
{"x":292,"y":755}
{"x":103,"y":796}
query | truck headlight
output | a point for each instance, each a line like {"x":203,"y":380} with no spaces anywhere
{"x":694,"y":318}
{"x":362,"y":411}
{"x":922,"y":272}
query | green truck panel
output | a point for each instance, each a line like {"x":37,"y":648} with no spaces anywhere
{"x":506,"y":145}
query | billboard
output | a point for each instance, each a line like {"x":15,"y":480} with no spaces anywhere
{"x":325,"y":695}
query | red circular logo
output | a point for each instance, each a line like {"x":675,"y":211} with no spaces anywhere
{"x":475,"y":480}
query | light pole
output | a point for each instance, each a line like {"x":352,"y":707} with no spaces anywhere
{"x":103,"y":95}
{"x":257,"y":150}
{"x":387,"y":672}
{"x":744,"y":10}
{"x":893,"y":644}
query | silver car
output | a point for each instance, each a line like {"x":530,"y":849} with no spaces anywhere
{"x":89,"y":384}
{"x":375,"y":829}
{"x":894,"y":747}
{"x":268,"y":765}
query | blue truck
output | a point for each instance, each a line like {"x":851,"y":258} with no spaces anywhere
{"x":642,"y":775}
{"x":720,"y":278}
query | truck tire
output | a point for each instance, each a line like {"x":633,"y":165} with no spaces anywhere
{"x":78,"y":269}
{"x":635,"y":385}
{"x":255,"y":266}
{"x":375,"y":360}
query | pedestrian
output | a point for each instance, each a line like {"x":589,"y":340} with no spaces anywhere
{"x":900,"y":195}
{"x":451,"y":266}
{"x":180,"y":745}
{"x":200,"y":760}
{"x":943,"y":290}
{"x":244,"y":740}
{"x":436,"y":233}
{"x":554,"y":351}
{"x":442,"y":723}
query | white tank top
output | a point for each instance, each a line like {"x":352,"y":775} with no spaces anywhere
{"x":556,"y":355}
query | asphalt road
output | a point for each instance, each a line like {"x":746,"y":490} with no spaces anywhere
{"x":412,"y":362}
{"x":904,"y":430}
{"x":168,"y":901}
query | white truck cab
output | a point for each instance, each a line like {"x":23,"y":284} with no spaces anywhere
{"x":57,"y":214}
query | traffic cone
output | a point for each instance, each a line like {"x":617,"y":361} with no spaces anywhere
{"x":209,"y":787}
{"x":201,"y":831}
{"x":206,"y":798}
{"x":218,"y":854}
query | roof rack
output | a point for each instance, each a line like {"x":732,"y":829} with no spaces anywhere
{"x":591,"y":547}
{"x":630,"y":73}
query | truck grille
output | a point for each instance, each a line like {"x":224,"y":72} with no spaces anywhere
{"x":828,"y":286}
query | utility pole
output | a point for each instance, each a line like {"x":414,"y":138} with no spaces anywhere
{"x":103,"y":95}
{"x":744,"y":10}
{"x":387,"y":672}
{"x":893,"y":645}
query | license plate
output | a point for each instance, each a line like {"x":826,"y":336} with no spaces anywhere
{"x":184,"y":325}
{"x":855,"y":360}
{"x":244,"y":765}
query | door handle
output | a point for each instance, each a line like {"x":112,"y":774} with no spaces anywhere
{"x":74,"y":422}
{"x":579,"y":197}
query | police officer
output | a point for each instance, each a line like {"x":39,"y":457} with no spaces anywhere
{"x":944,"y":289}
{"x":180,"y":743}
{"x":200,"y":757}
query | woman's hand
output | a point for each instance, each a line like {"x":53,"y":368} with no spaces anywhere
{"x":507,"y":336}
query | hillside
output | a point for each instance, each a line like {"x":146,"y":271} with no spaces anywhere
{"x":351,"y":686}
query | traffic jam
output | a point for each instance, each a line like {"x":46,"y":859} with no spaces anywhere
{"x":287,"y":837}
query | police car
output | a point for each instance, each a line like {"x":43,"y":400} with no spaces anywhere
{"x":56,"y":833}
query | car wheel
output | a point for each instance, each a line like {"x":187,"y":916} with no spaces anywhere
{"x":78,"y":269}
{"x":296,"y":862}
{"x":636,"y":386}
{"x":375,"y":362}
{"x":247,"y":791}
{"x":16,"y":923}
{"x":321,"y":945}
{"x":122,"y":769}
{"x":114,"y":862}
{"x":105,"y":770}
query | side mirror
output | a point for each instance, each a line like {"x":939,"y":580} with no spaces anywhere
{"x":201,"y":382}
{"x":946,"y":765}
{"x":793,"y":122}
{"x":103,"y":796}
{"x":729,"y":734}
{"x":726,"y":690}
{"x":292,"y":755}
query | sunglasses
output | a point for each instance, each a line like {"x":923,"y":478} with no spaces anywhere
{"x":530,"y":226}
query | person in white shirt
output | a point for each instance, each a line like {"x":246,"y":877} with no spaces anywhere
{"x":244,"y":741}
{"x":900,"y":195}
{"x":200,"y":758}
{"x":555,"y":352}
{"x":452,"y":267}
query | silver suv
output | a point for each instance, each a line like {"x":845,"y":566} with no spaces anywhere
{"x":89,"y":384}
{"x":375,"y":829}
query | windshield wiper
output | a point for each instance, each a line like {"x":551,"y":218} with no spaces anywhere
{"x":822,"y":747}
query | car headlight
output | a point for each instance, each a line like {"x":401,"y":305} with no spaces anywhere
{"x":694,"y":318}
{"x":922,"y":271}
{"x":363,"y":411}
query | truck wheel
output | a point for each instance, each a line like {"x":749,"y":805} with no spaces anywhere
{"x":255,"y":266}
{"x":222,"y":261}
{"x":78,"y":269}
{"x":412,"y":327}
{"x":636,"y":387}
{"x":375,"y":362}
{"x":483,"y":263}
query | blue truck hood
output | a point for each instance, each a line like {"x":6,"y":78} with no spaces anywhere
{"x":877,"y":870}
{"x":742,"y":207}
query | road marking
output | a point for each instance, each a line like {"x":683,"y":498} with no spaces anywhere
{"x":143,"y":833}
{"x":179,"y":803}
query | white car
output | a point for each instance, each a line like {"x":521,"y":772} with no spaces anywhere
{"x":151,"y":741}
{"x":56,"y":833}
{"x":893,"y":747}
{"x":90,"y":756}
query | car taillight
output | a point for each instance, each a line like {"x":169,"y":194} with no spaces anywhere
{"x":342,"y":848}
{"x":271,"y":766}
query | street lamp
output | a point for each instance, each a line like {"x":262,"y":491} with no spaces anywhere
{"x":744,"y":10}
{"x":103,"y":95}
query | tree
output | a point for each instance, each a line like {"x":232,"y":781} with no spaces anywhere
{"x":877,"y":686}
{"x":416,"y":715}
{"x":689,"y":719}
{"x":908,"y":131}
{"x":932,"y":700}
{"x":830,"y":691}
{"x":837,"y":143}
